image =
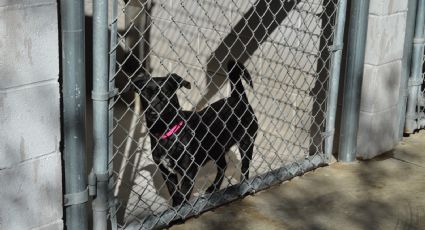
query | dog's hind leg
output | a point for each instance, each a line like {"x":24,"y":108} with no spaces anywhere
{"x":246,"y":148}
{"x":221,"y":169}
{"x":171,"y":181}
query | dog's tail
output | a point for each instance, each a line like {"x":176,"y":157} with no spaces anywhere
{"x":236,"y":72}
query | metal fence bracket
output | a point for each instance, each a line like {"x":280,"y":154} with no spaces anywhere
{"x":76,"y":198}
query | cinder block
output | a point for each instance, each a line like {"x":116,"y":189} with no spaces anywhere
{"x":380,"y":88}
{"x":30,"y":125}
{"x":376,"y":133}
{"x":385,"y":38}
{"x":387,"y":7}
{"x":28,"y":44}
{"x":31,"y":193}
{"x":368,"y":87}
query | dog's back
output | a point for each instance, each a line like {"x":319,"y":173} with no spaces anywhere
{"x":226,"y":122}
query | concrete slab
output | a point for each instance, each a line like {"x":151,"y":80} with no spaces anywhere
{"x":383,"y":193}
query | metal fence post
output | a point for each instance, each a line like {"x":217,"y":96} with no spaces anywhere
{"x":415,"y":79}
{"x":100,"y":96}
{"x":406,"y":65}
{"x":74,"y":104}
{"x":334,"y":78}
{"x":112,"y":70}
{"x":353,"y":80}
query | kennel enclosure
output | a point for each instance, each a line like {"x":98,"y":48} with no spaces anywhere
{"x":292,"y":49}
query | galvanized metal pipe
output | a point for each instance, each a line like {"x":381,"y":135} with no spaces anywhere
{"x":334,"y":78}
{"x":415,"y":79}
{"x":74,"y":113}
{"x":100,"y":96}
{"x":112,"y":71}
{"x":353,"y":80}
{"x":406,"y":65}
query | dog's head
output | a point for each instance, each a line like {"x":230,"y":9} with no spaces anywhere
{"x":158,"y":94}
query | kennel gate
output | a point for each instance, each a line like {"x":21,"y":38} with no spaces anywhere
{"x":292,"y":50}
{"x":415,"y":89}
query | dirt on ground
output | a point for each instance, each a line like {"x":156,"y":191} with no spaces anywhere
{"x":387,"y":192}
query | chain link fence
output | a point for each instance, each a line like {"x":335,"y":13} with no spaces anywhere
{"x":286,"y":46}
{"x":421,"y":98}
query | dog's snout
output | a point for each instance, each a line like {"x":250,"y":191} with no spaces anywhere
{"x":152,"y":113}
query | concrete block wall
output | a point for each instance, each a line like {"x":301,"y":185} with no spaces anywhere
{"x":382,"y":74}
{"x":30,"y":159}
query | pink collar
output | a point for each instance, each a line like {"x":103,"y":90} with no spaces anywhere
{"x":173,"y":130}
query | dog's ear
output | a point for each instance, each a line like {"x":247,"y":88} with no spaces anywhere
{"x":180,"y":81}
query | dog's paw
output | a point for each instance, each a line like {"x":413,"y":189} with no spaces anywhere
{"x":211,"y":189}
{"x":178,"y":200}
{"x":246,"y":189}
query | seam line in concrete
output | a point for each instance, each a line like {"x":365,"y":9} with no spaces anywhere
{"x":408,"y":162}
{"x":28,"y":160}
{"x":29,"y":85}
{"x":386,"y":15}
{"x":385,"y":63}
{"x":24,"y":6}
{"x":58,"y":221}
{"x":380,"y":111}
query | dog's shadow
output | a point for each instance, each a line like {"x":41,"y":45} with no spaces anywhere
{"x":204,"y":178}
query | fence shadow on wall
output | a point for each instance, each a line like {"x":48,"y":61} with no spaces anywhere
{"x":256,"y":25}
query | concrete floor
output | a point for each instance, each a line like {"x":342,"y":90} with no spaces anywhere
{"x":387,"y":192}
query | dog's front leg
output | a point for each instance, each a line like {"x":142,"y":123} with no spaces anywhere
{"x":171,"y":181}
{"x":188,"y":181}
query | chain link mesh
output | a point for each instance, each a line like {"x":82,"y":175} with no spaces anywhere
{"x":421,"y":98}
{"x":285,"y":46}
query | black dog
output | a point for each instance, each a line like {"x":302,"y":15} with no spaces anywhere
{"x":184,"y":141}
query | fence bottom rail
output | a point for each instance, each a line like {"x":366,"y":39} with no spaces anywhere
{"x":207,"y":202}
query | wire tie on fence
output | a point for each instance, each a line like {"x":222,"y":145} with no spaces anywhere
{"x":336,"y":47}
{"x":113,"y":202}
{"x":415,"y":82}
{"x":418,"y":40}
{"x":412,"y":116}
{"x":113,"y":93}
{"x":104,"y":96}
{"x":100,"y":96}
{"x":92,"y":184}
{"x":102,"y":176}
{"x":76,"y":198}
{"x":328,"y":133}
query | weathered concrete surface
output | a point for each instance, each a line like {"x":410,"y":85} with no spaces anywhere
{"x":382,"y":193}
{"x":381,"y":79}
{"x":30,"y":158}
